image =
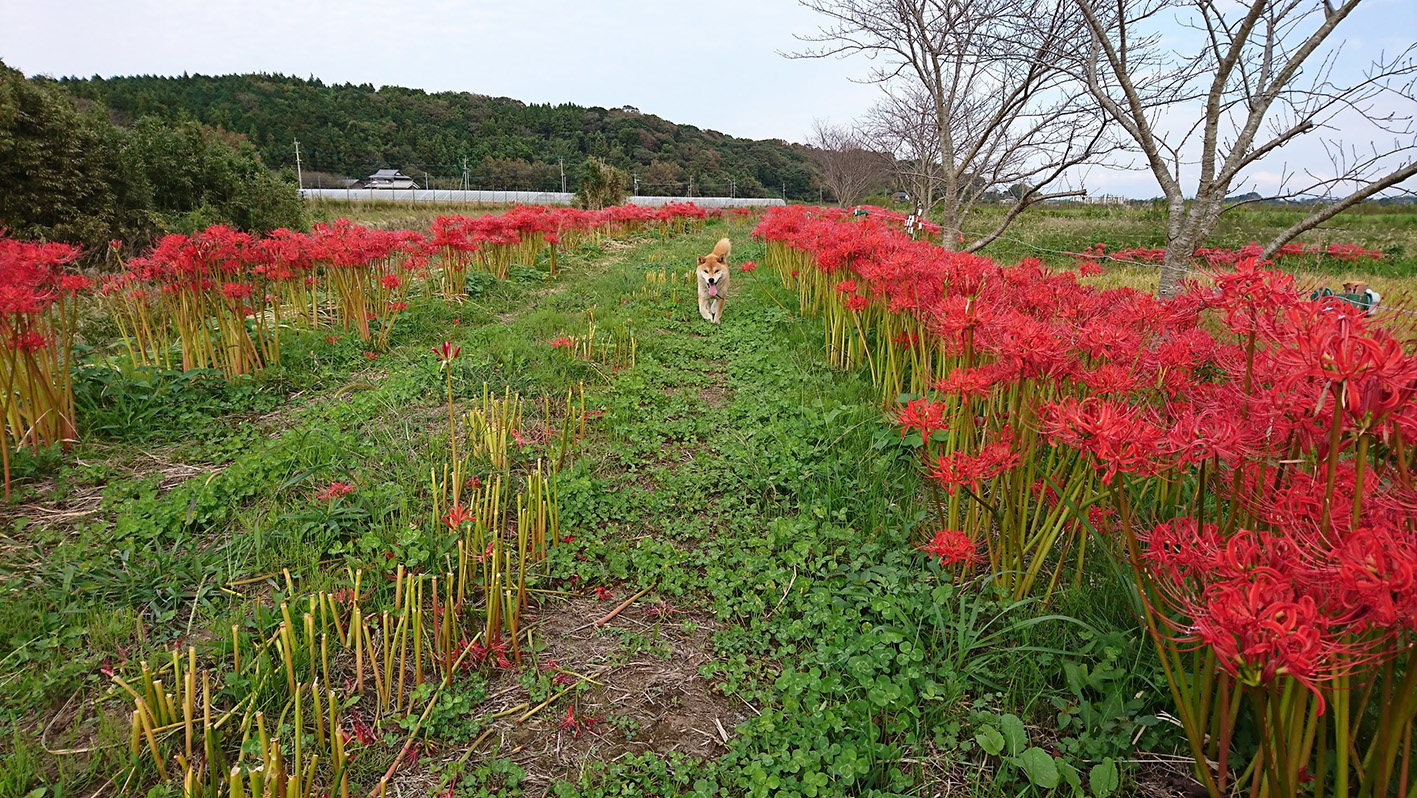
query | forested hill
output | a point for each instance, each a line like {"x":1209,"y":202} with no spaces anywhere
{"x":350,"y":131}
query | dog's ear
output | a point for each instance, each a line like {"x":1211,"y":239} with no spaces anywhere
{"x":702,"y":260}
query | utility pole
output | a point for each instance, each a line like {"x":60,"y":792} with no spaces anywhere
{"x":734,"y":192}
{"x":299,"y":176}
{"x":561,"y":161}
{"x":691,"y":185}
{"x":636,"y":178}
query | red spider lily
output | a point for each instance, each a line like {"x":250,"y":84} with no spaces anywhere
{"x":1261,"y":629}
{"x":1375,"y":576}
{"x":334,"y":491}
{"x":447,"y":352}
{"x":471,"y":654}
{"x":457,"y":516}
{"x":970,"y":383}
{"x":748,"y":266}
{"x":923,"y":416}
{"x":1117,"y":434}
{"x":371,"y":355}
{"x":958,"y":468}
{"x":662,"y":611}
{"x":563,"y":342}
{"x":952,"y":547}
{"x":498,"y":650}
{"x":360,"y":731}
{"x":603,"y":593}
{"x":572,"y":723}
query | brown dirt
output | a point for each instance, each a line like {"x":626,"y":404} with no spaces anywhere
{"x":717,"y":393}
{"x":651,"y":696}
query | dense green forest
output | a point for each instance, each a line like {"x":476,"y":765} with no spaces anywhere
{"x":71,"y":174}
{"x":348,"y":131}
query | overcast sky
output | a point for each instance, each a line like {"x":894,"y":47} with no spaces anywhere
{"x":710,"y":63}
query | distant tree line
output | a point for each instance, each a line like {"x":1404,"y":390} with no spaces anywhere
{"x":68,"y":173}
{"x":457,"y":138}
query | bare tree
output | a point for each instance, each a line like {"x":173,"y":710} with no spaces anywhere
{"x":1262,"y":74}
{"x":994,"y":109}
{"x":901,"y":125}
{"x":847,"y":167}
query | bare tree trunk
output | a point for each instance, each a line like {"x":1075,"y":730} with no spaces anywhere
{"x":1174,"y":267}
{"x":1248,"y":69}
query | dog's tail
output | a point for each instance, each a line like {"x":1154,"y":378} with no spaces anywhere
{"x":723,"y":248}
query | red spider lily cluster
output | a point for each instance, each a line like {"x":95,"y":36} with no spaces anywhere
{"x":1248,"y":451}
{"x":226,"y":294}
{"x":38,"y":311}
{"x":494,"y":243}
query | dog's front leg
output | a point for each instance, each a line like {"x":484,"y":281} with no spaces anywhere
{"x":706,"y":309}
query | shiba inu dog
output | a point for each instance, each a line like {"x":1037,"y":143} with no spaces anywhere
{"x":713,"y":281}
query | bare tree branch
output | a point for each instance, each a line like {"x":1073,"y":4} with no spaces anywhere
{"x":974,"y":101}
{"x":847,"y":167}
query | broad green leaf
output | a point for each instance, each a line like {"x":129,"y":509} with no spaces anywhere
{"x":1040,"y":768}
{"x":990,"y":740}
{"x":1103,"y":778}
{"x":1015,"y":737}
